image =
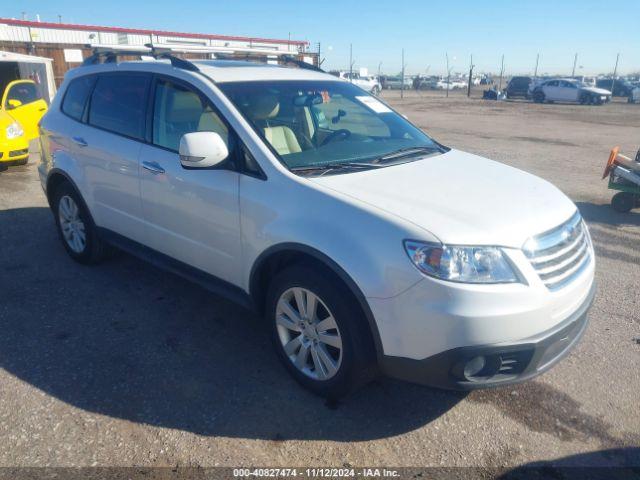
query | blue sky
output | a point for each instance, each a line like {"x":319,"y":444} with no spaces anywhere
{"x":378,"y":30}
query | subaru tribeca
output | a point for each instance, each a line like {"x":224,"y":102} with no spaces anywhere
{"x":366,"y":245}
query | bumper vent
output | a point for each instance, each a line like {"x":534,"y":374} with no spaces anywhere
{"x":559,"y":255}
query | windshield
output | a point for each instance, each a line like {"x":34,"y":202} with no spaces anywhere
{"x":324,"y":123}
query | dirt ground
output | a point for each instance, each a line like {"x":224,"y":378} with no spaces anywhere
{"x":123,"y":364}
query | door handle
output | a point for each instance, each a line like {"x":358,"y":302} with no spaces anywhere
{"x":153,"y":167}
{"x":79,"y":141}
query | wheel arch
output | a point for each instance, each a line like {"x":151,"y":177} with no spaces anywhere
{"x":277,"y":257}
{"x":57,"y":177}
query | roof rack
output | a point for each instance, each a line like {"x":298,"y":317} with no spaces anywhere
{"x":103,"y":53}
{"x":110,"y":53}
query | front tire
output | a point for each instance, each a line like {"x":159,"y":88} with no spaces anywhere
{"x":538,"y":97}
{"x":320,"y":336}
{"x":76,"y":228}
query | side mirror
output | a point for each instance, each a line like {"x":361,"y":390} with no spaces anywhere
{"x":202,"y":150}
{"x":13,"y":103}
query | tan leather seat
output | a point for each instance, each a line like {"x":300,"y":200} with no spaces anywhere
{"x":186,"y":115}
{"x":281,"y":138}
{"x":210,"y":122}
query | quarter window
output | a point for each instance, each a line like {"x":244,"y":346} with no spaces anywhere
{"x":178,"y":110}
{"x":118,"y":104}
{"x":76,"y":96}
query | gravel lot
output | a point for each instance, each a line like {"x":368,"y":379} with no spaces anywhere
{"x":123,"y":364}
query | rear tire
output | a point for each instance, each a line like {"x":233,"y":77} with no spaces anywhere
{"x":623,"y":202}
{"x":327,"y":350}
{"x":76,"y":227}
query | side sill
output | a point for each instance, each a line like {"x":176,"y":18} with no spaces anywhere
{"x":160,"y":260}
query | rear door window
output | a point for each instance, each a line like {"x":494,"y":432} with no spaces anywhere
{"x":76,"y":96}
{"x":118,"y":104}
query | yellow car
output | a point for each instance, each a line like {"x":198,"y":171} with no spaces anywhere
{"x":21,"y":109}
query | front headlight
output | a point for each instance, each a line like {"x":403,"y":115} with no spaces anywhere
{"x":461,"y":263}
{"x":14,"y":131}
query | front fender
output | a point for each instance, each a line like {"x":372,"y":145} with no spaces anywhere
{"x":366,"y":245}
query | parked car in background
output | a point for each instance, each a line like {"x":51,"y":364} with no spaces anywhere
{"x":451,"y":84}
{"x":635,"y":95}
{"x":587,"y":80}
{"x":22,"y":100}
{"x":486,"y":80}
{"x":368,"y":83}
{"x":303,"y":197}
{"x":21,"y":109}
{"x":395,"y":83}
{"x":621,"y":88}
{"x":569,"y":90}
{"x":518,"y":87}
{"x":429,"y":83}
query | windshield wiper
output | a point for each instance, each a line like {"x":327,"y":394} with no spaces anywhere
{"x":407,"y":152}
{"x":331,"y":167}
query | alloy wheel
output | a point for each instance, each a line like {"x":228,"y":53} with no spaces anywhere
{"x":308,"y":333}
{"x":71,"y":225}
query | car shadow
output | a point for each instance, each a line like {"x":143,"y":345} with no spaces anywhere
{"x":129,"y":341}
{"x":606,"y":215}
{"x":608,"y":464}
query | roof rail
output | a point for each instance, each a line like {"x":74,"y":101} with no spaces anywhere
{"x":110,"y":54}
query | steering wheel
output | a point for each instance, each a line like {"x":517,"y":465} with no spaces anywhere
{"x":344,"y":133}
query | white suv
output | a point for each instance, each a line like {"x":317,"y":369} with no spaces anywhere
{"x":366,"y":245}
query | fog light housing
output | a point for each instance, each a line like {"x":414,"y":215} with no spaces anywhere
{"x":474,"y":366}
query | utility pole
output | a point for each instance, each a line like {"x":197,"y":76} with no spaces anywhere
{"x":575,"y":62}
{"x":615,"y":72}
{"x":402,"y":79}
{"x":470,"y":75}
{"x":535,"y":72}
{"x":501,"y":73}
{"x":379,"y":70}
{"x":59,"y":18}
{"x":446,"y":55}
{"x":351,"y":62}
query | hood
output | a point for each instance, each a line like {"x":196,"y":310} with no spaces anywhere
{"x":460,"y":198}
{"x":596,"y":90}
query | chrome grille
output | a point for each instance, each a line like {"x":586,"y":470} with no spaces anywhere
{"x":559,"y":255}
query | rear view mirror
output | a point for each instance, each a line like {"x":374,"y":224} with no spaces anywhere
{"x":13,"y":103}
{"x":202,"y":150}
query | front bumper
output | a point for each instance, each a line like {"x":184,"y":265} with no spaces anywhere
{"x":14,"y":151}
{"x":467,"y":368}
